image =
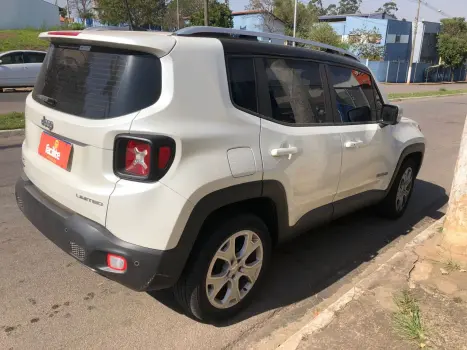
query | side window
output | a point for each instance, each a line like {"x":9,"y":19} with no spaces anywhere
{"x":296,"y":91}
{"x":242,"y":82}
{"x":12,"y":58}
{"x":33,"y":57}
{"x":355,"y":95}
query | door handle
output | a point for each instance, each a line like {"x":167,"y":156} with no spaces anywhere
{"x":353,"y":144}
{"x":280,"y":152}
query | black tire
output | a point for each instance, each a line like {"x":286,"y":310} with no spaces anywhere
{"x":388,"y":207}
{"x":190,"y":290}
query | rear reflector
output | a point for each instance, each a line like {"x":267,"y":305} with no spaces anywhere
{"x":164,"y":157}
{"x":64,"y":32}
{"x":116,"y":262}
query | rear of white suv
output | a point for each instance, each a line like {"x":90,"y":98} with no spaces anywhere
{"x":79,"y":146}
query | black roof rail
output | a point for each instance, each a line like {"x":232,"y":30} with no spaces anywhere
{"x":217,"y":32}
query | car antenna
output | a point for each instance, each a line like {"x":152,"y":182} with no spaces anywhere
{"x":129,"y":14}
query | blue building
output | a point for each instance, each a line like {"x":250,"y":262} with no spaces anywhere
{"x":259,"y":21}
{"x":394,"y":35}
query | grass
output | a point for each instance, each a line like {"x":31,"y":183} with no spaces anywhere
{"x":22,"y":39}
{"x":407,"y":319}
{"x":10,"y":121}
{"x":451,"y":265}
{"x":28,"y":38}
{"x":441,"y":92}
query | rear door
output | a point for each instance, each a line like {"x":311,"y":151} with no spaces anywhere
{"x":33,"y":62}
{"x":300,"y":146}
{"x":13,"y":71}
{"x":84,"y":96}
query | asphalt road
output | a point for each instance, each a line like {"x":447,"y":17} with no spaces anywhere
{"x":12,"y":101}
{"x":49,"y":301}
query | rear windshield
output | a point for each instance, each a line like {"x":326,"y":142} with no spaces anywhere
{"x":96,"y":82}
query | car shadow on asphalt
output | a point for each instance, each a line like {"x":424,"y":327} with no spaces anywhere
{"x":306,"y":266}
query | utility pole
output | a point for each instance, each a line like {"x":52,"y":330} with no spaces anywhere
{"x":178,"y":17}
{"x":206,"y":13}
{"x":295,"y":21}
{"x":409,"y":77}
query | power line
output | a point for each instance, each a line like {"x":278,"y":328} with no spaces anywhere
{"x":427,"y":5}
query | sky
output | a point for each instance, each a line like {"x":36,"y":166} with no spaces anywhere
{"x":407,"y":8}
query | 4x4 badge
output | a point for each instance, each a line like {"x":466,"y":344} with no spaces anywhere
{"x":47,"y":123}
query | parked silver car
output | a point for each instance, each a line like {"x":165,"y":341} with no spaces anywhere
{"x":20,"y":68}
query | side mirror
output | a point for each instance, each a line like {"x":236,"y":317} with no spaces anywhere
{"x":359,"y":114}
{"x":390,"y":115}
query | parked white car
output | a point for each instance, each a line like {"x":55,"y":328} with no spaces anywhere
{"x":180,"y":160}
{"x":20,"y":68}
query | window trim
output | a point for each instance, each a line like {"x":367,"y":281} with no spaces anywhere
{"x":262,"y":85}
{"x":337,"y":119}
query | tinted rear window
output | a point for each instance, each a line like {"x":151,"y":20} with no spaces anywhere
{"x":97,"y":82}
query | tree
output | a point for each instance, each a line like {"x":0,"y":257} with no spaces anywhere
{"x":142,"y":12}
{"x":317,"y":7}
{"x":347,"y":7}
{"x":220,"y":15}
{"x":83,"y":8}
{"x":284,"y":10}
{"x":332,"y":10}
{"x":186,"y":9}
{"x":306,"y":16}
{"x":63,"y":12}
{"x":366,"y":43}
{"x":389,"y":7}
{"x":324,"y":33}
{"x":452,"y":42}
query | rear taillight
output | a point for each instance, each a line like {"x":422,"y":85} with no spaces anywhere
{"x":138,"y":158}
{"x":143,"y":158}
{"x":64,"y":33}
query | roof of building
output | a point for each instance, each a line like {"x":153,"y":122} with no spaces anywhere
{"x":336,"y":18}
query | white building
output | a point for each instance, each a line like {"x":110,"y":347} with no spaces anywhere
{"x":19,"y":14}
{"x":259,"y":21}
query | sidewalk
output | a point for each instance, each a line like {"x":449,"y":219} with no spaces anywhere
{"x":404,"y":88}
{"x":422,"y":283}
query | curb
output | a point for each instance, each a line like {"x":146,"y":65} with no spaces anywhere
{"x":9,"y":133}
{"x":397,"y":99}
{"x":328,"y":314}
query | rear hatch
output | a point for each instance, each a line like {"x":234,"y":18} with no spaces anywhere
{"x":90,"y":88}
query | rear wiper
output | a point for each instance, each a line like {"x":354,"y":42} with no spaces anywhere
{"x":49,"y":100}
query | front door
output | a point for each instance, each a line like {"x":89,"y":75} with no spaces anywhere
{"x":364,"y":141}
{"x":300,"y":147}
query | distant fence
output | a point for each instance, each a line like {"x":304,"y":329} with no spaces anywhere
{"x":396,"y":72}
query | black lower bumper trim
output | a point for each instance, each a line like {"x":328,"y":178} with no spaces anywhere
{"x":89,"y":242}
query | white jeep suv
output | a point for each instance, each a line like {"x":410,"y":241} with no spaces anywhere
{"x":180,"y":160}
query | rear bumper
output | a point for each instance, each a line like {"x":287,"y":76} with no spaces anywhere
{"x":89,"y":242}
